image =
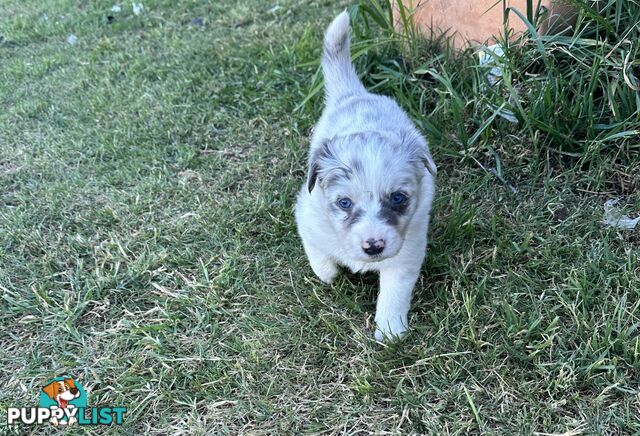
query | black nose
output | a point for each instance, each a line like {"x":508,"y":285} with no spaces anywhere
{"x":74,"y":391}
{"x":372,"y":247}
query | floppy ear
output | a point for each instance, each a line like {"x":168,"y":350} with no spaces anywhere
{"x":321,"y":153}
{"x":313,"y":174}
{"x":429,"y":163}
{"x":70,"y":382}
{"x":415,"y":141}
{"x":50,"y":390}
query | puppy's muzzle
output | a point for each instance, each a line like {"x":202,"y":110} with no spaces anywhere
{"x":373,"y":247}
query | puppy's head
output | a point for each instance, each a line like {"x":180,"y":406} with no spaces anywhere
{"x":69,"y":389}
{"x":370,"y":187}
{"x":65,"y":389}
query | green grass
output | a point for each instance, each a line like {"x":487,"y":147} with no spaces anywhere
{"x":147,"y":242}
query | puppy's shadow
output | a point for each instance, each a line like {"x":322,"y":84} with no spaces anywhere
{"x":369,"y":278}
{"x":358,"y":291}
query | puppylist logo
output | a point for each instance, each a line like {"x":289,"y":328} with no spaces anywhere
{"x":63,"y":401}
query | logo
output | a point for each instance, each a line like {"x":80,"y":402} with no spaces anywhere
{"x":63,"y":401}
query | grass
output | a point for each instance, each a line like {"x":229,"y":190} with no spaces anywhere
{"x":147,"y":245}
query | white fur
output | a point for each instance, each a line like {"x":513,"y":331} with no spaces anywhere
{"x":68,"y":396}
{"x":364,"y":147}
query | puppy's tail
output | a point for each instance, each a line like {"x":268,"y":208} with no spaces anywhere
{"x":340,"y":78}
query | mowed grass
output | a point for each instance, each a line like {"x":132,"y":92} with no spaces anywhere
{"x":147,"y":244}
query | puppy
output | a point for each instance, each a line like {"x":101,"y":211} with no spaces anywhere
{"x":62,"y":392}
{"x":370,"y":185}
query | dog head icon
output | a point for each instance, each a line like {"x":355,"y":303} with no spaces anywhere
{"x":62,"y":391}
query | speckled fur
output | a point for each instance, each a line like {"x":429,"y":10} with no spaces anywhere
{"x":365,"y":147}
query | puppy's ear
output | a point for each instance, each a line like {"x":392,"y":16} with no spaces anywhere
{"x":429,"y":163}
{"x":70,"y":382}
{"x":50,"y":390}
{"x":414,"y":141}
{"x":314,"y":167}
{"x":315,"y":163}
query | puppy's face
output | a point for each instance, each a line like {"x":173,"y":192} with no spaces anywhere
{"x":65,"y":390}
{"x":371,"y":188}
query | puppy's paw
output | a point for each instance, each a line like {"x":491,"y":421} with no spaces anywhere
{"x":390,"y":329}
{"x":325,"y":270}
{"x":328,"y":278}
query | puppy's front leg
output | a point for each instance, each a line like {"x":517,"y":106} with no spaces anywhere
{"x":321,"y":264}
{"x":394,"y":300}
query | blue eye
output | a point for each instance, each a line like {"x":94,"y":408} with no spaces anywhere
{"x":345,"y":203}
{"x":398,"y":198}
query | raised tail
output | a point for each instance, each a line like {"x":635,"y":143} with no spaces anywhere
{"x":340,"y":78}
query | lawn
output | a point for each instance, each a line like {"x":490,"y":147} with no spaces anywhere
{"x":148,"y":172}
